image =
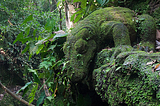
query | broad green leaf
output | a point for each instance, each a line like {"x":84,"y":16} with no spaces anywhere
{"x":106,"y":2}
{"x":50,"y":98}
{"x":29,"y":18}
{"x":73,"y":16}
{"x":24,"y":40}
{"x":45,"y":64}
{"x":27,"y":30}
{"x":52,"y":47}
{"x":33,"y":48}
{"x":78,"y":17}
{"x":25,"y":88}
{"x":99,"y":1}
{"x":36,"y":79}
{"x":53,"y":59}
{"x":83,"y":3}
{"x":35,"y":76}
{"x":41,"y":75}
{"x":40,"y":99}
{"x":40,"y":47}
{"x":26,"y":49}
{"x":19,"y":36}
{"x":76,"y":1}
{"x":58,"y":3}
{"x":60,"y":35}
{"x":102,"y":2}
{"x":41,"y":41}
{"x":33,"y":71}
{"x":49,"y":25}
{"x":80,"y":11}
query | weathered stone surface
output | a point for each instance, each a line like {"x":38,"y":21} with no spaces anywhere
{"x":112,"y":26}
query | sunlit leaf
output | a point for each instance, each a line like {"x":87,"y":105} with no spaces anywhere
{"x":19,"y":36}
{"x":73,"y":16}
{"x":50,"y":98}
{"x":60,"y":35}
{"x":118,"y":68}
{"x":25,"y":88}
{"x":41,"y":41}
{"x":75,"y":1}
{"x":78,"y":17}
{"x":83,"y":3}
{"x":33,"y":71}
{"x":29,"y":18}
{"x":45,"y":64}
{"x":58,"y":3}
{"x":40,"y":47}
{"x":33,"y":48}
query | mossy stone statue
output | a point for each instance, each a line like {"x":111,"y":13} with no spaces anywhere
{"x":111,"y":26}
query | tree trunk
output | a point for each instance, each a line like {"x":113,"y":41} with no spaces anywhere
{"x":69,"y":11}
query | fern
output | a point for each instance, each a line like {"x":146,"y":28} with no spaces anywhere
{"x":33,"y":92}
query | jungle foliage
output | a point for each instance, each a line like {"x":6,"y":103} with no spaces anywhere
{"x":31,"y":53}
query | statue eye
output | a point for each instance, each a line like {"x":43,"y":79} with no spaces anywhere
{"x":81,"y":46}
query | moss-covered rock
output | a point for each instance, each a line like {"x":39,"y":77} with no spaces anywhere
{"x":111,"y":26}
{"x":131,"y":80}
{"x":148,"y":30}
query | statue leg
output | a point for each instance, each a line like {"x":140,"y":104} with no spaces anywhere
{"x":120,"y":35}
{"x":118,"y":31}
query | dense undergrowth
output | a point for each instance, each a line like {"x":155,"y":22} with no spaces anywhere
{"x":31,"y":53}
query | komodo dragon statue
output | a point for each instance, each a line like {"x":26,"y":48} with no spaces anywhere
{"x":111,"y":26}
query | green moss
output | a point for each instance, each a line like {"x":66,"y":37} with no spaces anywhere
{"x":81,"y":46}
{"x":148,"y":30}
{"x":130,"y":81}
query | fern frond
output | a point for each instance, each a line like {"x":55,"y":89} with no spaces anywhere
{"x":33,"y":92}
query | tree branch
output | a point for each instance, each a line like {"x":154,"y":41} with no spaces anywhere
{"x":14,"y":95}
